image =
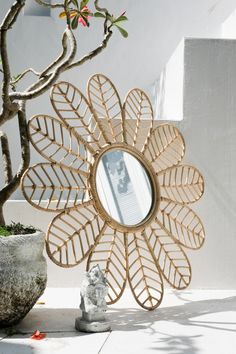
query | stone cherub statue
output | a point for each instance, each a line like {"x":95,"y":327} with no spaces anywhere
{"x":93,"y":304}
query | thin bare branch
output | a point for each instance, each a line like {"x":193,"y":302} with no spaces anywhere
{"x":100,"y":9}
{"x":20,"y":76}
{"x":6,"y":157}
{"x":41,"y":85}
{"x":8,"y":21}
{"x":7,"y":114}
{"x":93,"y":53}
{"x":12,"y":15}
{"x":60,"y":58}
{"x":106,"y":12}
{"x":7,"y":191}
{"x":52,"y":6}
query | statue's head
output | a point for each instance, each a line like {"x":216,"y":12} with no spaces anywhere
{"x":95,"y":275}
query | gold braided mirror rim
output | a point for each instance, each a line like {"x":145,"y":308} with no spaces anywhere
{"x":156,"y":196}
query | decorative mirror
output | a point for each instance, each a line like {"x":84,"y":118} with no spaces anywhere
{"x":120,"y":177}
{"x":120,"y":189}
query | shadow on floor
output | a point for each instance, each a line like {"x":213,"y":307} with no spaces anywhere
{"x":134,"y":319}
{"x":53,"y":321}
{"x":176,"y":344}
{"x":15,"y":348}
{"x":186,"y":315}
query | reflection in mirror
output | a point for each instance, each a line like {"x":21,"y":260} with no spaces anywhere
{"x":123,"y":187}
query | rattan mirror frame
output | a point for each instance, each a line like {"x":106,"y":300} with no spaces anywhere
{"x":145,"y":254}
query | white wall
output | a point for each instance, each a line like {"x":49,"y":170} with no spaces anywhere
{"x":169,"y":95}
{"x":209,"y":128}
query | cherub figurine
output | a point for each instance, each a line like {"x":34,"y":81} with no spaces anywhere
{"x":93,"y":304}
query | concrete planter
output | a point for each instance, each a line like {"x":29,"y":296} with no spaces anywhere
{"x":23,"y":275}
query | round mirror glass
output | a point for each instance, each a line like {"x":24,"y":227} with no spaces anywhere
{"x":124,"y":187}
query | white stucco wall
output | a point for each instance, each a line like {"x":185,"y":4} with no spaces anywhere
{"x":209,"y":128}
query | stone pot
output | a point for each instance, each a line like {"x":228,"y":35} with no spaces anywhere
{"x":23,"y":275}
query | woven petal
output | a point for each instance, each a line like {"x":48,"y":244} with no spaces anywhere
{"x":74,"y":110}
{"x":53,"y":187}
{"x":55,"y":142}
{"x":138,"y":118}
{"x":172,"y":260}
{"x":182,"y":183}
{"x":106,"y":104}
{"x":144,"y":276}
{"x":72,"y":234}
{"x":182,"y":223}
{"x":109,"y":253}
{"x":165,"y":148}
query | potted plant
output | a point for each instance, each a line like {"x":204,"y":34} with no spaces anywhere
{"x":23,"y":271}
{"x":22,"y":266}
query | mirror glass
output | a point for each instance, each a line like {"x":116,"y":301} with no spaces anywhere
{"x":124,"y":187}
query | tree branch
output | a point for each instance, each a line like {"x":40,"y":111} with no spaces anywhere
{"x":12,"y":14}
{"x":52,"y":6}
{"x":94,"y":52}
{"x":106,"y":12}
{"x":41,"y":85}
{"x":30,"y":70}
{"x":8,"y":21}
{"x":7,"y":166}
{"x":60,"y":58}
{"x":100,"y":9}
{"x":7,"y":191}
{"x":7,"y":114}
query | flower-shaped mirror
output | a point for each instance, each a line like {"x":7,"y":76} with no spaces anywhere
{"x":120,"y":189}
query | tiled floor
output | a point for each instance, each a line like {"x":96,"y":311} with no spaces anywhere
{"x":188,"y":322}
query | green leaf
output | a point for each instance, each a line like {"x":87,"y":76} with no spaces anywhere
{"x":99,"y":14}
{"x":4,"y":231}
{"x":85,"y":19}
{"x":120,"y":19}
{"x":83,"y":4}
{"x":74,"y":23}
{"x":118,"y":24}
{"x":122,"y":31}
{"x":75,"y":2}
{"x":86,"y":14}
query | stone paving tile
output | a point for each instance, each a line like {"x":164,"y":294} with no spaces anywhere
{"x":60,"y":343}
{"x":49,"y":319}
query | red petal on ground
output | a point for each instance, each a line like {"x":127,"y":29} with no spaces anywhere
{"x":37,"y":335}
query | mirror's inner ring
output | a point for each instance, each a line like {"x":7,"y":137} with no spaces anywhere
{"x":153,"y":182}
